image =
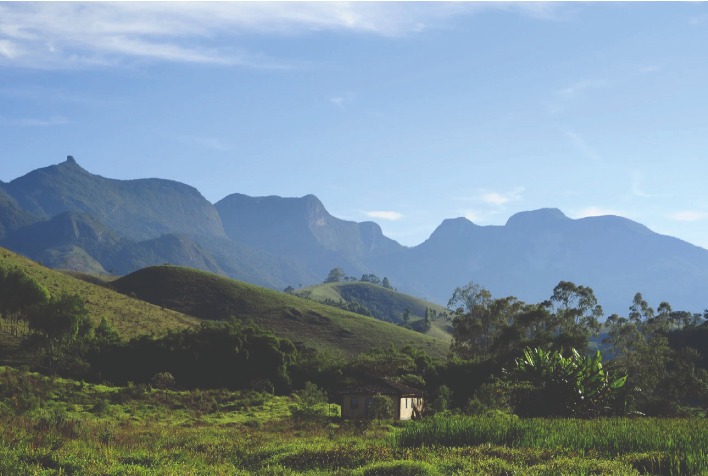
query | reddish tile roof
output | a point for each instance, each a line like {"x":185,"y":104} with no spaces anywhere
{"x":383,"y":387}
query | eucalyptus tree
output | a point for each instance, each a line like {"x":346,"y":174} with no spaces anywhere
{"x":480,"y":320}
{"x":576,"y":314}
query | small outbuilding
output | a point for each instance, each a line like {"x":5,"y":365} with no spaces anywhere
{"x":407,"y":401}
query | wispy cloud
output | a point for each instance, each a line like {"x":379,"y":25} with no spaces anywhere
{"x":211,"y":143}
{"x":637,"y":189}
{"x":648,"y":69}
{"x":637,"y":185}
{"x":491,"y":197}
{"x":342,"y":100}
{"x":385,"y":215}
{"x":62,"y":35}
{"x":581,"y":145}
{"x":72,"y":34}
{"x":562,"y":98}
{"x":34,"y":122}
{"x":689,"y":215}
{"x":579,"y":87}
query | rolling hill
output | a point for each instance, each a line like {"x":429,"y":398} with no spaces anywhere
{"x":382,"y":303}
{"x":209,"y":296}
{"x":129,"y":316}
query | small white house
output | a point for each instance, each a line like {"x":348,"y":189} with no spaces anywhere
{"x":407,"y":401}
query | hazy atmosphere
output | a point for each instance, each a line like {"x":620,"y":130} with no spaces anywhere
{"x":400,"y":113}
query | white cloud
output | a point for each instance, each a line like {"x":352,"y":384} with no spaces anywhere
{"x":9,"y":49}
{"x":594,"y":211}
{"x":500,"y":199}
{"x":473,"y":216}
{"x":385,"y":215}
{"x":689,"y":215}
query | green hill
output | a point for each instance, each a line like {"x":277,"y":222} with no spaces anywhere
{"x":210,"y":296}
{"x":129,"y":316}
{"x":379,"y":302}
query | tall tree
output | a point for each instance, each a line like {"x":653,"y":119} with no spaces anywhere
{"x":335,"y":275}
{"x":576,"y":315}
{"x":479,"y":320}
{"x":18,"y":294}
{"x":62,"y":332}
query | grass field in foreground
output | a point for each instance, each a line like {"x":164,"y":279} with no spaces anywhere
{"x":71,"y":427}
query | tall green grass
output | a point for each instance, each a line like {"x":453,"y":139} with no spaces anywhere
{"x":673,"y":446}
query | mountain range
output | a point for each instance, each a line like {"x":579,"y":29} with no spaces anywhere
{"x":66,"y":217}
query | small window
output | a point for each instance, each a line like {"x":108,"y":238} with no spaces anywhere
{"x":354,"y":404}
{"x":406,"y":403}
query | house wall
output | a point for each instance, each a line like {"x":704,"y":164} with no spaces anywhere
{"x":355,"y":406}
{"x":406,"y":407}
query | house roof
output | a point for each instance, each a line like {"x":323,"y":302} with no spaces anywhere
{"x":383,"y":387}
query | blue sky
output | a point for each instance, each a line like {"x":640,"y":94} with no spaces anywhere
{"x":400,"y":113}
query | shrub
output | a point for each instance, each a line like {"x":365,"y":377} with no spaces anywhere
{"x":101,"y":407}
{"x":311,"y":404}
{"x":381,"y":408}
{"x":163,"y":381}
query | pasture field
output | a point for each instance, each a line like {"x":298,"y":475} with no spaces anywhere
{"x":57,"y":426}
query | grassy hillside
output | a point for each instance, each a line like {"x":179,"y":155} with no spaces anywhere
{"x":129,"y":316}
{"x":209,"y":296}
{"x":384,"y":304}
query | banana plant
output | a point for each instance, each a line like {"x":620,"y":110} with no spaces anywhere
{"x":576,"y":385}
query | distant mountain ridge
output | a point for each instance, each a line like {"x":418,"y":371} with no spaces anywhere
{"x":301,"y":228}
{"x":67,"y":217}
{"x":137,"y":209}
{"x":535,"y":250}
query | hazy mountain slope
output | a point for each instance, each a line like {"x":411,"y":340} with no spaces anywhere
{"x":535,"y":250}
{"x":247,"y":263}
{"x":66,"y":230}
{"x":323,"y":327}
{"x":174,"y":249}
{"x":77,"y":241}
{"x":136,"y":209}
{"x":12,"y":217}
{"x":303,"y":230}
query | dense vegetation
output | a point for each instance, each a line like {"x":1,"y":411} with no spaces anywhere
{"x":227,"y":394}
